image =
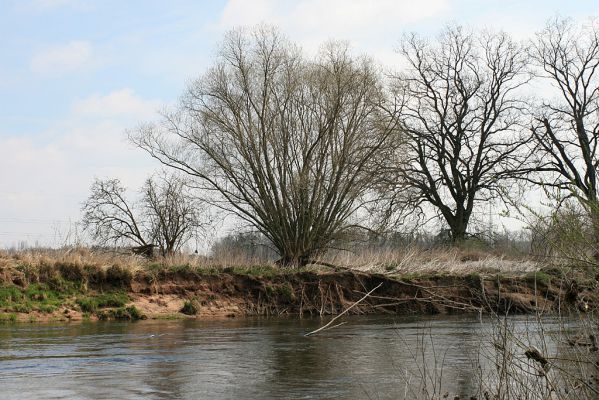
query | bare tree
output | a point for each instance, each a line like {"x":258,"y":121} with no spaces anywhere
{"x":173,"y":214}
{"x":166,"y":216}
{"x":285,"y":143}
{"x":566,"y":128}
{"x":109,"y":218}
{"x":461,"y":113}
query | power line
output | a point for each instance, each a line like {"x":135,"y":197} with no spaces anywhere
{"x":41,"y":194}
{"x":34,"y":220}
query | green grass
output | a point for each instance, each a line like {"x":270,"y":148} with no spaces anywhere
{"x":422,"y":276}
{"x":10,"y":295}
{"x":92,"y":303}
{"x":123,"y":313}
{"x":283,"y":292}
{"x":286,"y":293}
{"x":8,"y":317}
{"x":42,"y":297}
{"x":256,"y":270}
{"x":49,"y":297}
{"x":539,"y":277}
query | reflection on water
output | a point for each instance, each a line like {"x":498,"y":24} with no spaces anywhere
{"x":232,"y":359}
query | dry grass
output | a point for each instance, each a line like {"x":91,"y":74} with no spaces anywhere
{"x":455,"y":261}
{"x":85,"y":264}
{"x":25,"y":267}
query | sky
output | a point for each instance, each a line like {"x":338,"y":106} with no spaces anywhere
{"x":76,"y":74}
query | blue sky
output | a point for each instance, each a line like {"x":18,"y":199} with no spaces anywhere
{"x":75,"y":74}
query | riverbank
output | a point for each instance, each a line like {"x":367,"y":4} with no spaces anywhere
{"x":72,"y":291}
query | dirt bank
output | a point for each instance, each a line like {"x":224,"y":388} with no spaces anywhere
{"x":186,"y":293}
{"x":310,"y":293}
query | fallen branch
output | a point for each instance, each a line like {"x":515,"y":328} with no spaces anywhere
{"x":344,"y":312}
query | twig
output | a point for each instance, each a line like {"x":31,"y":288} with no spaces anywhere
{"x":346,"y":310}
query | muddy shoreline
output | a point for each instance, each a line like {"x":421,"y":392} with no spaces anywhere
{"x":172,"y":293}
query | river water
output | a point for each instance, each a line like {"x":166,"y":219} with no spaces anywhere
{"x":368,"y":357}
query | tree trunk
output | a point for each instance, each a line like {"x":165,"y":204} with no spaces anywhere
{"x":458,"y":226}
{"x":294,"y":261}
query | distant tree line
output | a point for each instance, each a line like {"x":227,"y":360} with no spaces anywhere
{"x":311,"y":151}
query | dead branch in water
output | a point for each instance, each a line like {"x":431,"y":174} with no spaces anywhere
{"x":344,"y":312}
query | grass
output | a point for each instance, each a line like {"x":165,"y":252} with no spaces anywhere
{"x":48,"y":297}
{"x":191,"y":307}
{"x":89,"y":267}
{"x":539,"y":278}
{"x":97,"y":283}
{"x":130,"y":313}
{"x":8,"y":317}
{"x":42,"y":297}
{"x":92,"y":303}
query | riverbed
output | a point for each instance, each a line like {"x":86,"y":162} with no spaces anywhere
{"x":374,"y":357}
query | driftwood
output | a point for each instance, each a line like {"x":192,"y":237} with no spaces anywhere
{"x":344,"y":312}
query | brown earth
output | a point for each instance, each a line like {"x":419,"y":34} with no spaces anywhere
{"x":311,"y":293}
{"x":229,"y":294}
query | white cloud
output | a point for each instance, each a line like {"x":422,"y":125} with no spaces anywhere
{"x":330,"y":17}
{"x":373,"y":27}
{"x":73,"y":56}
{"x":47,"y":176}
{"x":120,"y":103}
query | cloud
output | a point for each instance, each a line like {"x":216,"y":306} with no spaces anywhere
{"x":48,"y":175}
{"x":71,"y":57}
{"x":38,"y":6}
{"x":330,"y":17}
{"x":370,"y":27}
{"x":119,"y":103}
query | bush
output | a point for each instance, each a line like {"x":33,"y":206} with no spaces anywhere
{"x":569,"y":235}
{"x":190,"y":307}
{"x":119,"y":276}
{"x":127,"y":313}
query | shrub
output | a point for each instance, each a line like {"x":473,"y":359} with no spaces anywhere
{"x":190,"y":307}
{"x":119,"y":276}
{"x":128,"y":313}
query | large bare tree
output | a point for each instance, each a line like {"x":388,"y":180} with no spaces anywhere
{"x":461,"y":112}
{"x":166,"y":216}
{"x":566,"y":127}
{"x":286,"y":143}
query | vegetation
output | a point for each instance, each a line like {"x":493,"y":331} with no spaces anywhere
{"x":166,"y":217}
{"x":191,"y":307}
{"x":91,"y":304}
{"x":130,"y":313}
{"x":317,"y":154}
{"x":462,"y":114}
{"x":566,"y":129}
{"x":288,"y":144}
{"x":320,"y":154}
{"x":516,"y":359}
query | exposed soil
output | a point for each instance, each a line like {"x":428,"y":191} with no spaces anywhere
{"x":309,"y":293}
{"x":227,"y":294}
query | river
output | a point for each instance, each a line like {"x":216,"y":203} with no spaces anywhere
{"x":368,"y":357}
